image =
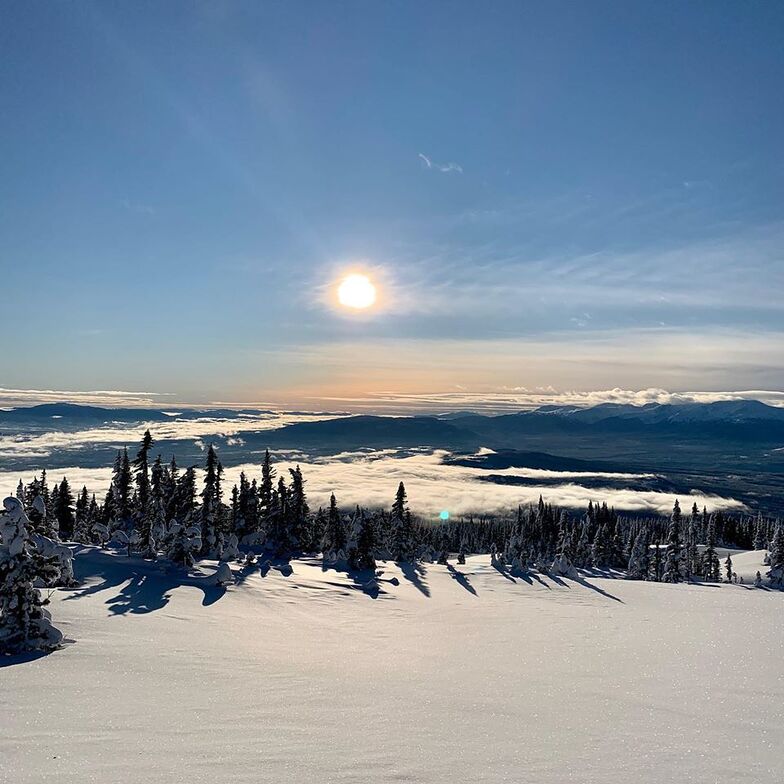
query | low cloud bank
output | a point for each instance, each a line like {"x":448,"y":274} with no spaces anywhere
{"x":35,"y":445}
{"x":370,"y":479}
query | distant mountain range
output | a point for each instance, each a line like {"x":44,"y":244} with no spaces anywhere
{"x":726,"y":411}
{"x":736,"y":411}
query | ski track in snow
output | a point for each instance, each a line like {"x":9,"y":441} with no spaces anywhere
{"x":457,"y":673}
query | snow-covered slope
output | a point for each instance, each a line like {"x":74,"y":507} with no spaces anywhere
{"x":459,"y":673}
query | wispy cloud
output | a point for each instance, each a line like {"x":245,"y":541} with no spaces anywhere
{"x":524,"y":399}
{"x":99,"y":397}
{"x":133,"y":206}
{"x":442,"y":167}
{"x":656,"y":358}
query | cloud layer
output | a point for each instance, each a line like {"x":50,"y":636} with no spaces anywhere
{"x":370,"y":478}
{"x":32,"y":445}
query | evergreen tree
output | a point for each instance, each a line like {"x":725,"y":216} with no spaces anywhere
{"x":267,"y":485}
{"x":64,"y":511}
{"x":728,"y":568}
{"x":297,"y":534}
{"x":776,"y":573}
{"x":38,"y":488}
{"x":582,"y":557}
{"x":25,"y":623}
{"x":361,"y":550}
{"x":143,"y":513}
{"x":639,"y":558}
{"x":403,"y":535}
{"x":602,"y":549}
{"x":318,"y":531}
{"x":673,"y":561}
{"x":81,"y":518}
{"x":335,"y":539}
{"x":400,"y":504}
{"x":692,"y":555}
{"x":405,"y":539}
{"x":183,"y":543}
{"x":186,"y":496}
{"x":710,"y":560}
{"x":760,"y":540}
{"x":657,"y":562}
{"x":209,"y":506}
{"x":121,"y":491}
{"x":170,"y":491}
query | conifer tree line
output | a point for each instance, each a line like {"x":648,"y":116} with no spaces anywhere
{"x":155,"y":508}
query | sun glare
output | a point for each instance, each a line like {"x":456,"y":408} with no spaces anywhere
{"x":356,"y":291}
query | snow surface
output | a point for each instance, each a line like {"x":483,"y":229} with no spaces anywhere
{"x":456,"y":673}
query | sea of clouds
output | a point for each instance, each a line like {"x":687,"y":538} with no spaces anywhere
{"x":370,"y":478}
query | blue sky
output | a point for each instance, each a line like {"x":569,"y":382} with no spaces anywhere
{"x":548,"y":195}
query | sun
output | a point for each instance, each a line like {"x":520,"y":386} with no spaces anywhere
{"x":357,"y":292}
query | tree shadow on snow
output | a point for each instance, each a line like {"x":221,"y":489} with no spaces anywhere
{"x":415,"y":574}
{"x":461,"y":579}
{"x":532,"y":577}
{"x":10,"y":659}
{"x":582,"y":581}
{"x":144,"y":586}
{"x":280,"y":564}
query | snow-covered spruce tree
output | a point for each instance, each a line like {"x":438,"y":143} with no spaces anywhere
{"x":728,"y":568}
{"x":776,"y":573}
{"x":183,"y":543}
{"x":639,"y":559}
{"x":81,"y":532}
{"x":673,"y":560}
{"x":335,"y":538}
{"x":400,"y":504}
{"x":760,"y":539}
{"x":157,"y":509}
{"x":25,"y":623}
{"x":209,"y":507}
{"x":711,"y":567}
{"x":143,"y":513}
{"x":37,"y":512}
{"x":582,"y":556}
{"x":362,"y":547}
{"x":602,"y":548}
{"x":656,"y":563}
{"x":122,"y":481}
{"x":515,"y":550}
{"x":170,"y":491}
{"x":64,"y":511}
{"x":267,"y":486}
{"x":186,"y":496}
{"x":692,"y":555}
{"x":297,"y":533}
{"x":318,"y":530}
{"x":404,"y":542}
{"x":405,"y":539}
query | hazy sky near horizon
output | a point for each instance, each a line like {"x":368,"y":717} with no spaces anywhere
{"x":547,"y":195}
